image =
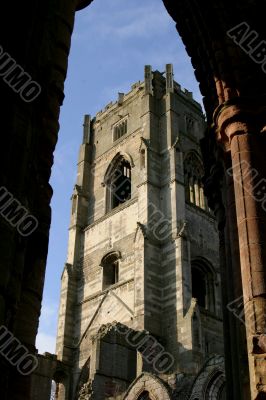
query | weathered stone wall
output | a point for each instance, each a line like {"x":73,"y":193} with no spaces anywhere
{"x":147,"y":382}
{"x":155,"y":234}
{"x":43,"y":376}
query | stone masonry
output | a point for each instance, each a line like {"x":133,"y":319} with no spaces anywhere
{"x":143,"y":245}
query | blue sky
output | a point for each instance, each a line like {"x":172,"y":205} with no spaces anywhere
{"x":111,"y":43}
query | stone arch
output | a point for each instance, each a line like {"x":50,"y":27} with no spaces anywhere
{"x":210,"y":382}
{"x":110,"y":268}
{"x":140,"y":233}
{"x":215,"y":387}
{"x":61,"y":377}
{"x":117,"y":181}
{"x":205,"y":277}
{"x":223,"y":75}
{"x":146,"y":382}
{"x":115,"y":160}
{"x":218,"y":68}
{"x":114,"y":253}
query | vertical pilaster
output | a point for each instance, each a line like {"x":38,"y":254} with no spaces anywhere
{"x":169,"y":78}
{"x":175,"y":157}
{"x":86,"y":129}
{"x":149,"y":202}
{"x":148,"y":80}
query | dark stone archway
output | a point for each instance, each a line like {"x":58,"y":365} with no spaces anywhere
{"x":37,"y":36}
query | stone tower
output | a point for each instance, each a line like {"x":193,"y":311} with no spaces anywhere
{"x":140,"y":311}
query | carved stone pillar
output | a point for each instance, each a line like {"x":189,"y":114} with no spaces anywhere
{"x":219,"y":189}
{"x":240,"y":128}
{"x":237,"y":334}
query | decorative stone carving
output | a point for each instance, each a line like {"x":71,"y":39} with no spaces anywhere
{"x":86,"y":391}
{"x":103,"y":331}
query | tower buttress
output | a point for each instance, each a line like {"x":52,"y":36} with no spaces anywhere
{"x":79,"y":217}
{"x":78,"y":220}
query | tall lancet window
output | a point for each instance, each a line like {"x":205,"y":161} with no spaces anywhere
{"x":110,"y":265}
{"x":193,"y":171}
{"x":118,"y":183}
{"x":203,"y":281}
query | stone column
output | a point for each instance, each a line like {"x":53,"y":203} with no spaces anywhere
{"x":240,"y":126}
{"x":219,"y":188}
{"x":237,"y":334}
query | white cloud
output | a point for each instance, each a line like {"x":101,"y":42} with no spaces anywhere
{"x":45,"y":343}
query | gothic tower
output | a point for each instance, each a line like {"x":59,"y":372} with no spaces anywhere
{"x":140,"y":311}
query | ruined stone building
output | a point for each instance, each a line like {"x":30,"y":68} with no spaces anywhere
{"x":225,"y":41}
{"x":140,"y":314}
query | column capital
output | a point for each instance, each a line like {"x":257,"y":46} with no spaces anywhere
{"x":239,"y":116}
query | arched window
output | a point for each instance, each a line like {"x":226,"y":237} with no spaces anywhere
{"x":193,"y":171}
{"x":203,"y":285}
{"x":118,"y":183}
{"x":61,"y":386}
{"x":199,"y":286}
{"x":110,"y":265}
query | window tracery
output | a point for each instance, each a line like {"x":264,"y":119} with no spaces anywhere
{"x":193,"y":173}
{"x":118,"y":183}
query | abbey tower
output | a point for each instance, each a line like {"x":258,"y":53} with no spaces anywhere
{"x":140,"y":314}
